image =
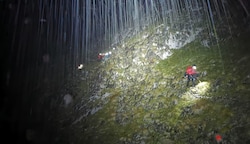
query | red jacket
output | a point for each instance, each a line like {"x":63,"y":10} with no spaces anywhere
{"x":100,"y":56}
{"x":190,"y":70}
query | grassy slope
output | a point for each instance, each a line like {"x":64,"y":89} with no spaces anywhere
{"x":231,"y":66}
{"x":227,"y":64}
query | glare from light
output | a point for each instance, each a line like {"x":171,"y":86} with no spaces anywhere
{"x":80,"y":66}
{"x":202,"y":87}
{"x":197,"y":92}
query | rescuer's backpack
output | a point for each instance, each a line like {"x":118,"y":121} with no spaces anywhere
{"x":189,"y":70}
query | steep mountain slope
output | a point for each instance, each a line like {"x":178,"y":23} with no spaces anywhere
{"x":139,"y":94}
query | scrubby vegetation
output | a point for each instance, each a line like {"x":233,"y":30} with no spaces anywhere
{"x":172,"y":112}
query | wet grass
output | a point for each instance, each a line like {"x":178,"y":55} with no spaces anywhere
{"x":226,"y":65}
{"x":103,"y":128}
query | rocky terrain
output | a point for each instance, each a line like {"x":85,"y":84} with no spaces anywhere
{"x":139,"y":94}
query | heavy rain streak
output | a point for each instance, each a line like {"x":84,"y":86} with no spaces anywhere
{"x":113,"y":71}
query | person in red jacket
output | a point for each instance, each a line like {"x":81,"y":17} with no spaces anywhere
{"x":191,"y":74}
{"x":100,"y":56}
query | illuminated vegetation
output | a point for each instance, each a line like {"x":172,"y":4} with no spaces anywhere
{"x":174,"y":114}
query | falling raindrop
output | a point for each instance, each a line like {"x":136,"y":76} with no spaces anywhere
{"x":47,"y":39}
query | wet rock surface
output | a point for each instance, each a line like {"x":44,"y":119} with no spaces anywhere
{"x":128,"y":99}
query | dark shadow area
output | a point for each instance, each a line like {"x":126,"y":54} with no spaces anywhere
{"x":44,"y":41}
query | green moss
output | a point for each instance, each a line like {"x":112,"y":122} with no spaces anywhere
{"x":211,"y":113}
{"x":214,"y":116}
{"x":192,"y":53}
